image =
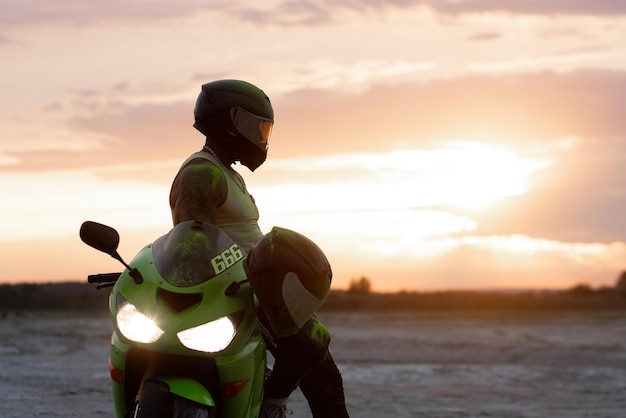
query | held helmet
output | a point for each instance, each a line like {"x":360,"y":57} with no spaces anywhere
{"x":238,"y":114}
{"x":290,"y":275}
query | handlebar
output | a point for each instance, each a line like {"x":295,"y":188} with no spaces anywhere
{"x":103,"y":277}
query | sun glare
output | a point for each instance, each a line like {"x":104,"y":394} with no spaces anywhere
{"x":475,"y":176}
{"x":400,"y":202}
{"x":465,"y":174}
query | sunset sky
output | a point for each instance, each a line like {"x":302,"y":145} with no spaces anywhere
{"x":434,"y":144}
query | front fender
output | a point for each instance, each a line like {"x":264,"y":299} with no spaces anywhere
{"x":189,"y":389}
{"x":157,"y":399}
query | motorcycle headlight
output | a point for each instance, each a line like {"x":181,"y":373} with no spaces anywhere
{"x":136,"y":326}
{"x":211,"y":337}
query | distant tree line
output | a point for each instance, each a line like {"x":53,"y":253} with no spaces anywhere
{"x":359,"y":296}
{"x":52,"y":296}
{"x":578,"y":298}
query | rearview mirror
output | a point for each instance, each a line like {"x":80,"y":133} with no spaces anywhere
{"x":101,"y":237}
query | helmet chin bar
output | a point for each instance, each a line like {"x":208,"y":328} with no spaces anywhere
{"x":247,"y":153}
{"x":252,"y":163}
{"x":230,"y":142}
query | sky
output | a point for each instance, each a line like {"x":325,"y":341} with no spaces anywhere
{"x":424,"y":144}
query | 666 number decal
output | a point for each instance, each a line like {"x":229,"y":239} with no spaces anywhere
{"x":226,"y":258}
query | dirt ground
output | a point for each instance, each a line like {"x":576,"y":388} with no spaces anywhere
{"x":568,"y":365}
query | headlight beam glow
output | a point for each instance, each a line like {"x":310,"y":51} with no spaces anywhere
{"x":136,"y":326}
{"x":211,"y":337}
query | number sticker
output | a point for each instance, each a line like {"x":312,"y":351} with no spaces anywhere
{"x":226,"y":259}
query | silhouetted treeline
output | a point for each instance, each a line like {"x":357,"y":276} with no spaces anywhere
{"x":83,"y":296}
{"x":577,"y":298}
{"x":53,"y":296}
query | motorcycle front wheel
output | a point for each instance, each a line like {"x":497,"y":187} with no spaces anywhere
{"x":157,"y":402}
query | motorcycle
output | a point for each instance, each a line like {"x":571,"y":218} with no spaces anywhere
{"x":187,"y":341}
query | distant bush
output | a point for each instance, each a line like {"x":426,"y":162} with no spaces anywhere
{"x":620,"y":285}
{"x":582,"y":290}
{"x":361,"y":285}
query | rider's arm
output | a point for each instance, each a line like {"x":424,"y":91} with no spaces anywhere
{"x":197,"y":191}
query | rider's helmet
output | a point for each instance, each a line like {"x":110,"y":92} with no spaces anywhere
{"x":290,"y":275}
{"x":238,"y":114}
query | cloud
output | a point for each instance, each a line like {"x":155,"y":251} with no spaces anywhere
{"x":579,"y":197}
{"x":515,"y":262}
{"x":562,"y":7}
{"x":83,"y":12}
{"x":287,"y":13}
{"x":279,"y":13}
{"x":322,"y":12}
{"x":128,"y":135}
{"x":485,"y":36}
{"x":526,"y":112}
{"x":470,"y":262}
{"x":576,"y":120}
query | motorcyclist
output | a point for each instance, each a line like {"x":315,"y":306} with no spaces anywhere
{"x":236,"y":118}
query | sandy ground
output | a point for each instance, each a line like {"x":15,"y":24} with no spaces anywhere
{"x":395,"y":365}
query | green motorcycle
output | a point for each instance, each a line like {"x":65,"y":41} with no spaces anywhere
{"x":186,"y":340}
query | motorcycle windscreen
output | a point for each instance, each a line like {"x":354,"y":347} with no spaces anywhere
{"x":194,"y":252}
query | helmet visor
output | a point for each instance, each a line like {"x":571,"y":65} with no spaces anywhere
{"x":254,"y":128}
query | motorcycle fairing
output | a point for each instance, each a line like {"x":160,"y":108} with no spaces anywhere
{"x":178,"y":306}
{"x":184,"y":255}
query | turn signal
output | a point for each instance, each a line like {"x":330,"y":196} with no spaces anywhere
{"x":234,"y":388}
{"x":117,"y":375}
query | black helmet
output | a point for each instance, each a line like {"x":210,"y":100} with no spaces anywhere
{"x":239,"y":114}
{"x":291,"y":276}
